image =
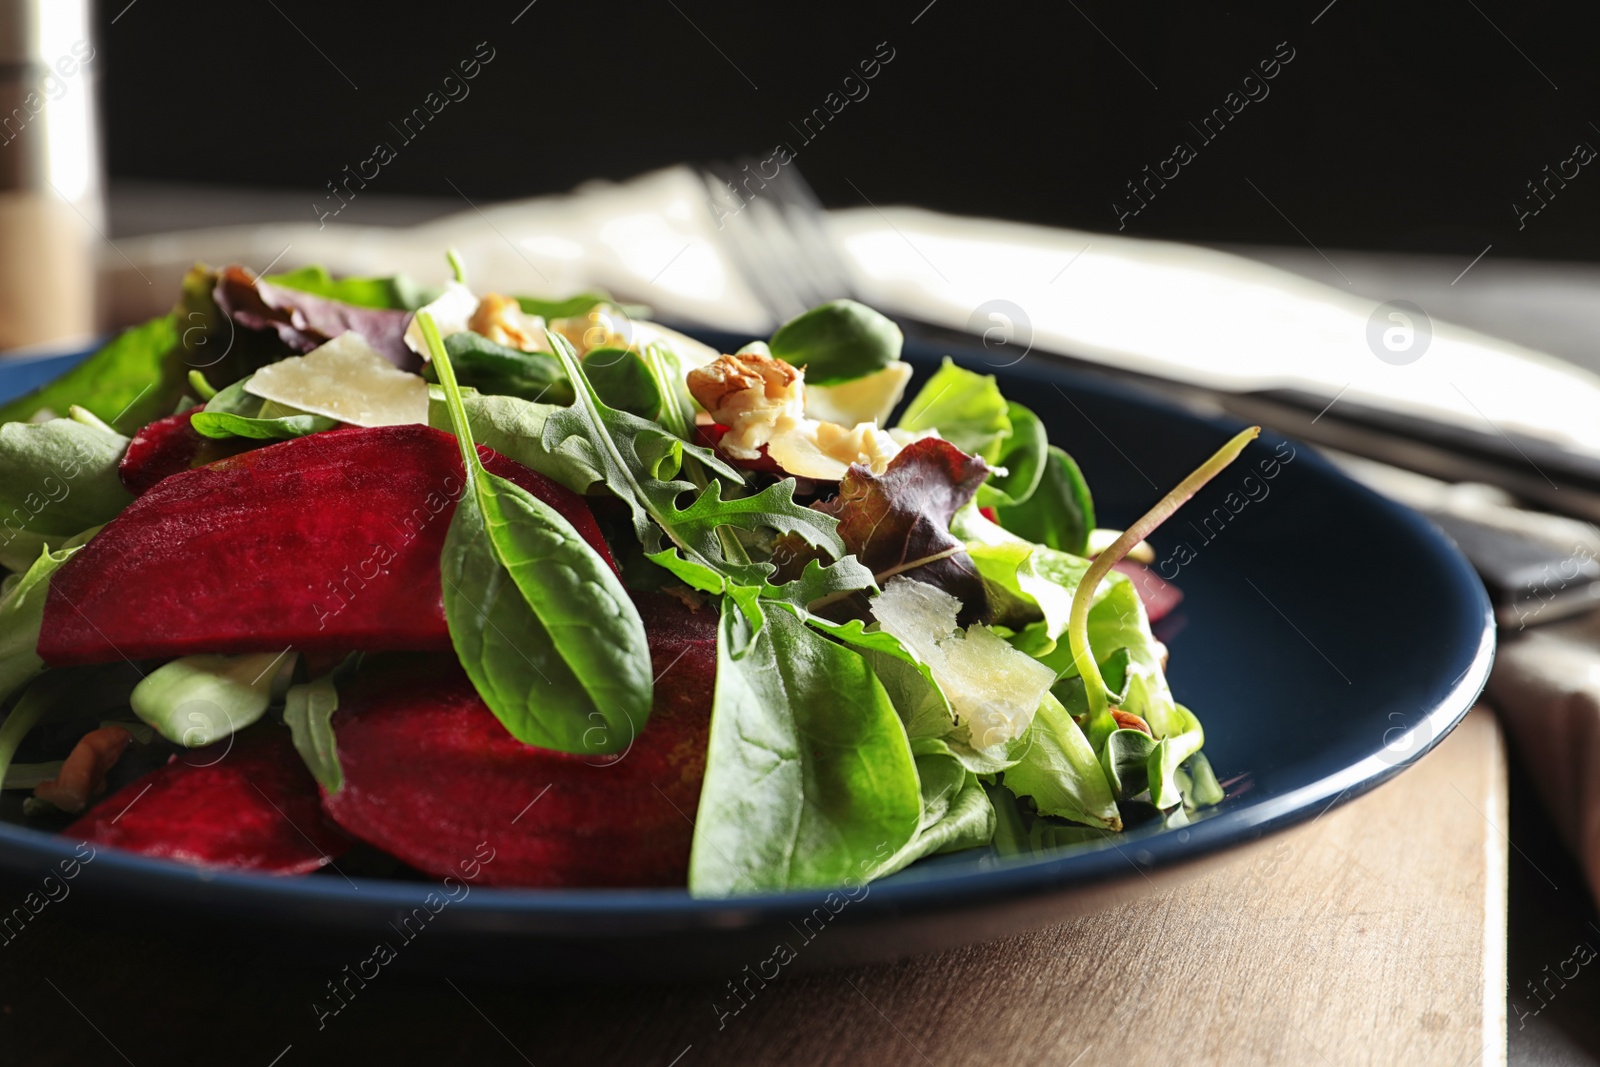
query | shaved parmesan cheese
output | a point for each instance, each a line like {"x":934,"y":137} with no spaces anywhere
{"x":345,"y":379}
{"x":868,"y":399}
{"x":451,"y":312}
{"x":993,"y":689}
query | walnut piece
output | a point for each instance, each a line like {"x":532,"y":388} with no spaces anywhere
{"x":502,"y":320}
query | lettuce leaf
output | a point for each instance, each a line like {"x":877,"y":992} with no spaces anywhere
{"x":1058,"y":513}
{"x":1060,"y":772}
{"x":57,"y":479}
{"x":965,"y":408}
{"x":956,"y":813}
{"x":22,"y":598}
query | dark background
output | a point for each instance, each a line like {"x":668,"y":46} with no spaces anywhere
{"x":1410,"y":126}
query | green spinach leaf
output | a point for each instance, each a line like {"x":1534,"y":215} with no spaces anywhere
{"x":838,"y":342}
{"x":122,"y":382}
{"x":500,"y":370}
{"x":396,"y":292}
{"x":1059,"y":513}
{"x":1022,"y":454}
{"x":809,"y":776}
{"x":220,"y":424}
{"x":542,"y":625}
{"x":623,"y":381}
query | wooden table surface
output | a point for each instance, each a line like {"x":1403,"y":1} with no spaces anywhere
{"x":1375,"y":935}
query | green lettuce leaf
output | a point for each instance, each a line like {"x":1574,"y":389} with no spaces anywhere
{"x":965,"y":408}
{"x":956,"y":812}
{"x":124,"y":382}
{"x":22,"y":599}
{"x":1060,"y":772}
{"x":57,"y":479}
{"x":308,"y":712}
{"x":810,"y":779}
{"x":197,"y":700}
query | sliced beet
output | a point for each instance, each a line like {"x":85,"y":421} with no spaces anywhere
{"x":249,"y":804}
{"x":326,"y":543}
{"x":430,"y":775}
{"x":170,"y":445}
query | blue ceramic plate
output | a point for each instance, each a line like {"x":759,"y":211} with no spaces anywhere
{"x":1327,"y":639}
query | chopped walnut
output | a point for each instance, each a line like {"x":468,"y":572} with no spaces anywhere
{"x":1127,"y":720}
{"x":754,"y":396}
{"x":83,"y":775}
{"x":502,"y":320}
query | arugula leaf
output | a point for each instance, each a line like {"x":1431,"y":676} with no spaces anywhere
{"x":396,"y":292}
{"x":501,"y":370}
{"x":1023,"y":455}
{"x":308,"y":712}
{"x":57,"y":478}
{"x":117,"y":378}
{"x":1059,"y":513}
{"x":542,"y":625}
{"x":956,"y":812}
{"x":898,"y":522}
{"x":197,"y":700}
{"x":809,"y":776}
{"x":965,"y":408}
{"x":1060,"y":772}
{"x":837,"y":342}
{"x":22,"y":598}
{"x":639,"y":460}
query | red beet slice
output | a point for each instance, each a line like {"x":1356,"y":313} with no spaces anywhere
{"x":170,"y":445}
{"x":326,"y":543}
{"x":250,"y":807}
{"x":430,"y":775}
{"x":1160,"y":597}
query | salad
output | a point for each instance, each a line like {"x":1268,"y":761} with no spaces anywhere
{"x":317,"y":570}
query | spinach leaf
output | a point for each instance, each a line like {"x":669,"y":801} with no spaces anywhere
{"x":838,"y":342}
{"x":623,"y":381}
{"x":1022,"y":454}
{"x":1059,"y":513}
{"x":809,"y":776}
{"x":500,"y":370}
{"x":57,"y":478}
{"x":396,"y":292}
{"x":220,"y":424}
{"x":1060,"y":772}
{"x":956,"y":813}
{"x":22,"y":599}
{"x":120,"y":382}
{"x":197,"y":700}
{"x":563,"y":309}
{"x":965,"y":408}
{"x":639,"y":461}
{"x":308,"y":712}
{"x":542,"y":625}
